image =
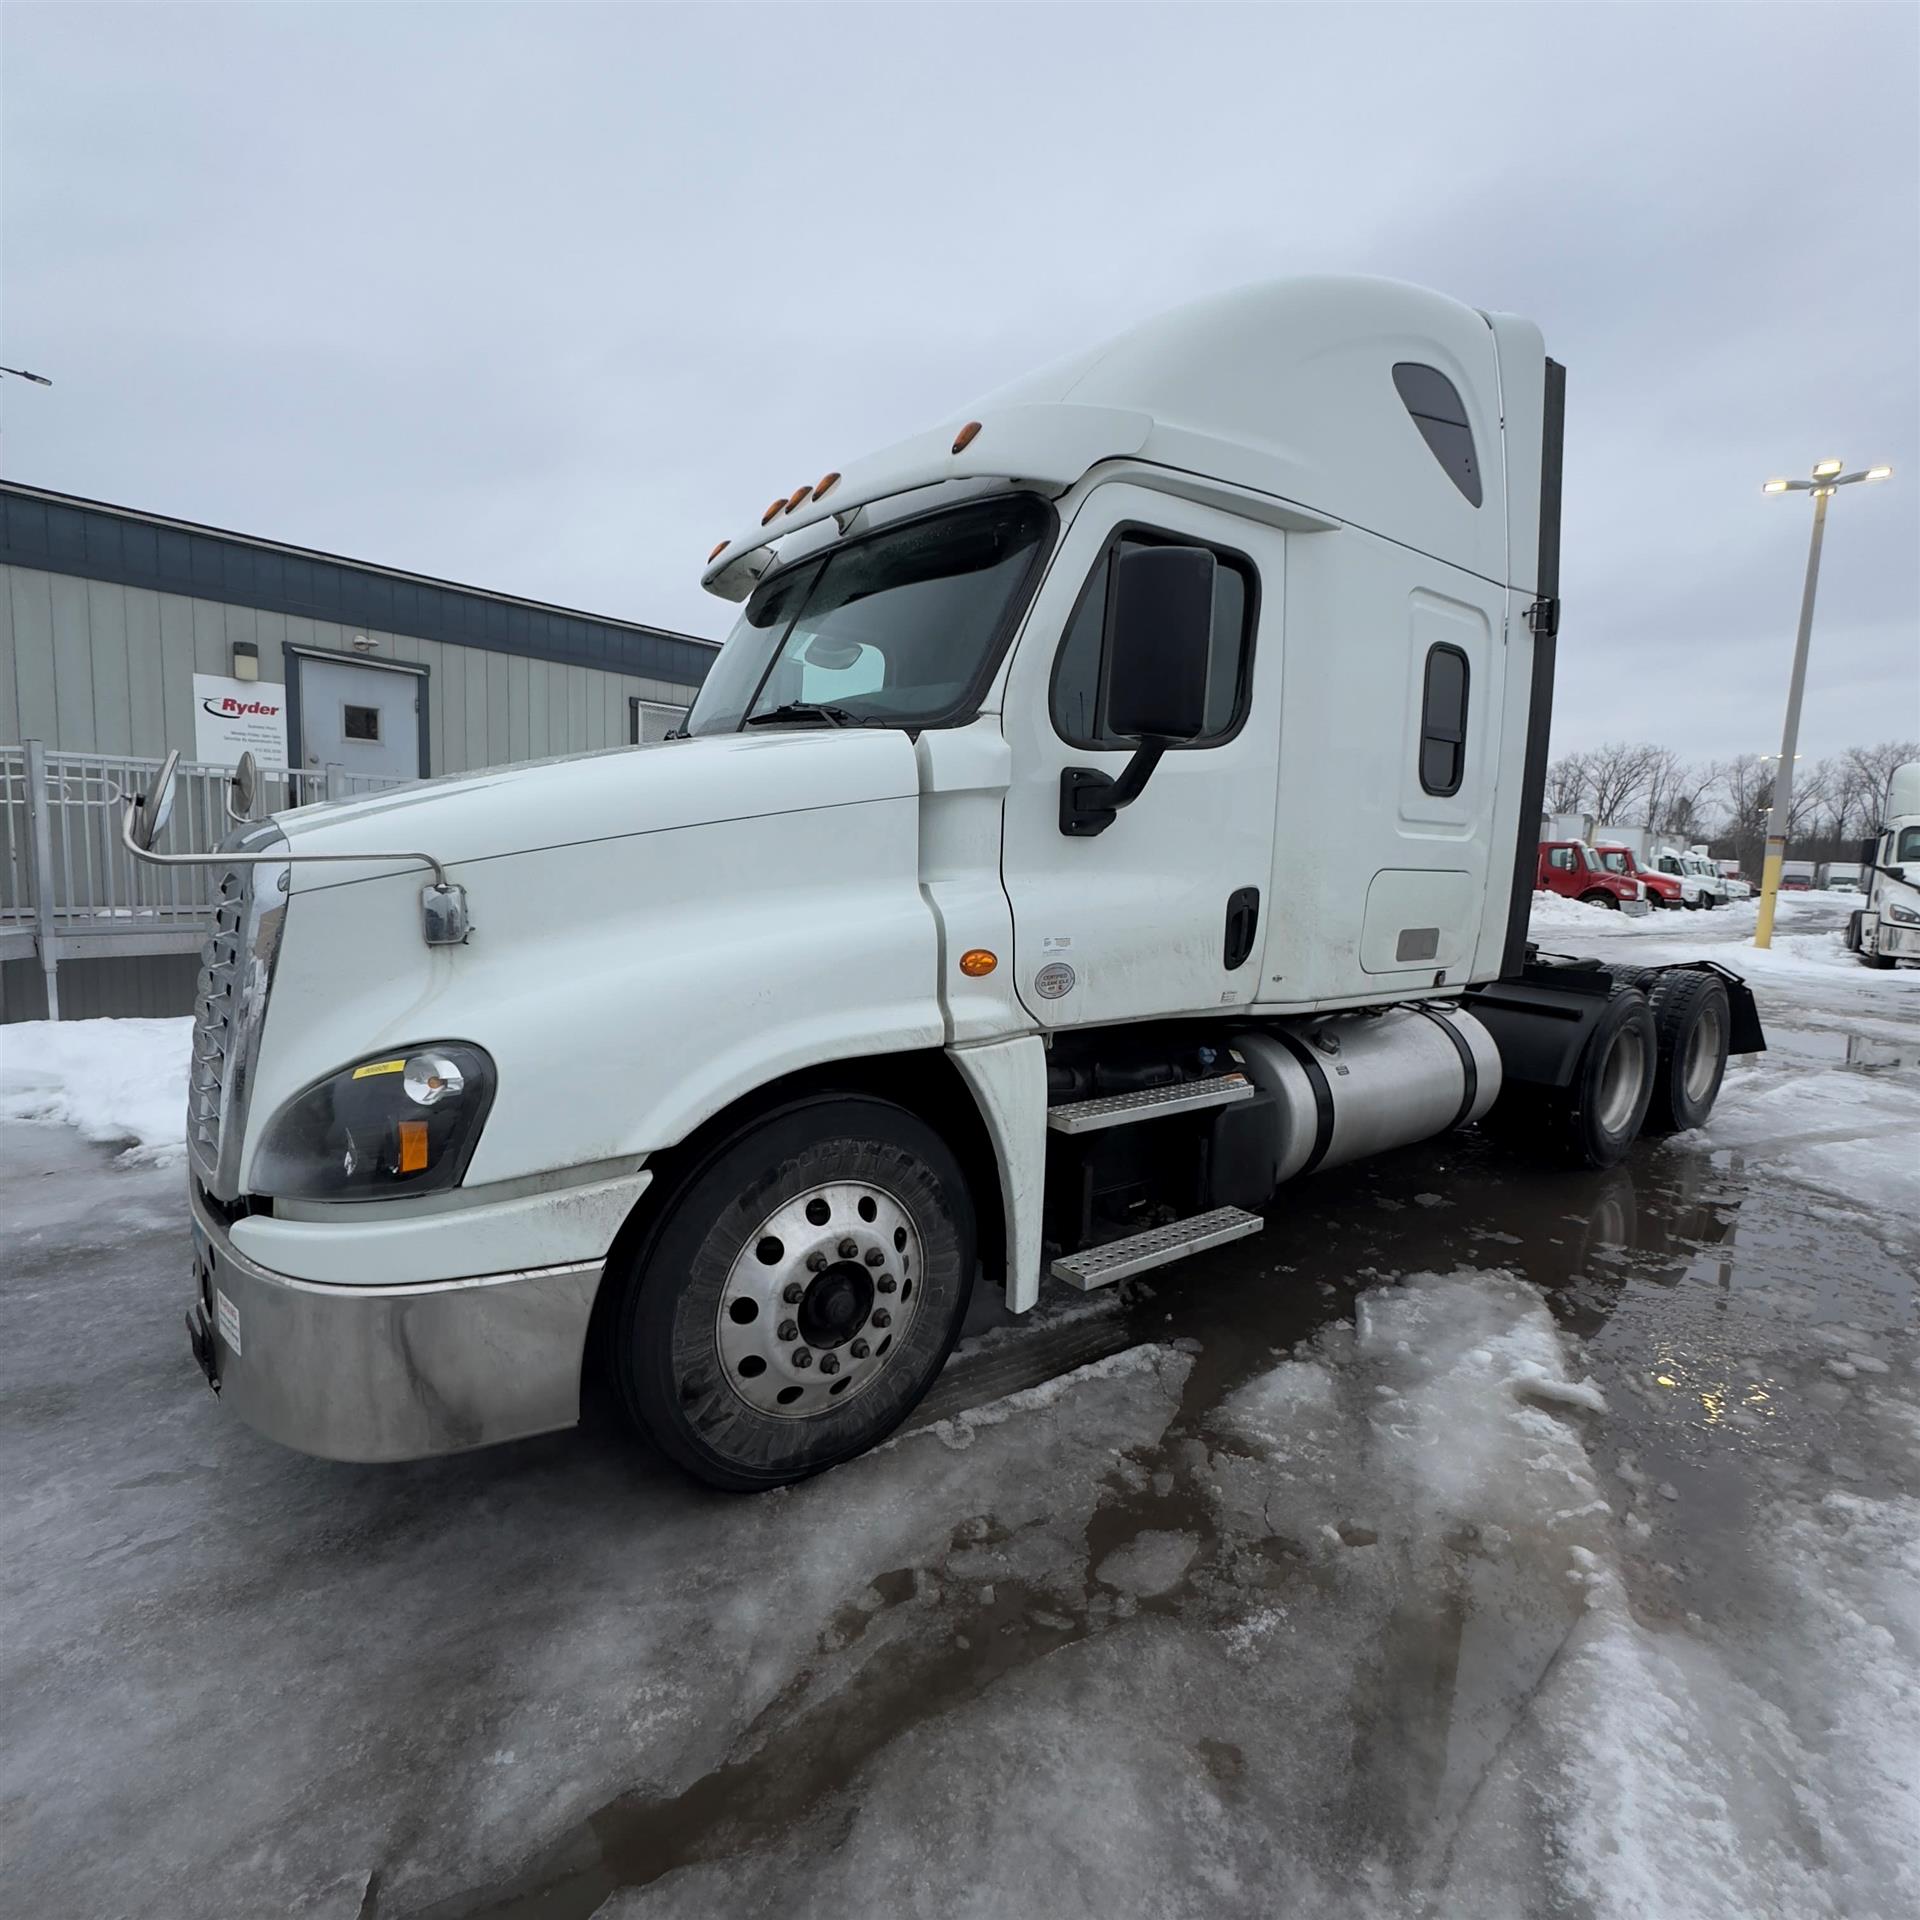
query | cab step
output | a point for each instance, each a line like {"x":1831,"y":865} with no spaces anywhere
{"x":1149,"y":1103}
{"x":1115,"y":1260}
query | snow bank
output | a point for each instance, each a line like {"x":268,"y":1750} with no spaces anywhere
{"x":121,"y":1082}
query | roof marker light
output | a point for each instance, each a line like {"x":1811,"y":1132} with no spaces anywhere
{"x":964,"y":438}
{"x":797,"y":495}
{"x":779,"y":506}
{"x":825,"y":481}
{"x":716,"y":553}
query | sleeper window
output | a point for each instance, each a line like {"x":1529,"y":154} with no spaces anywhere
{"x":1443,"y":721}
{"x":1079,"y":681}
{"x":1441,"y":415}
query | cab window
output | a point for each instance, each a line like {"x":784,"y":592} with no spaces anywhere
{"x":1561,"y":857}
{"x":1079,"y":672}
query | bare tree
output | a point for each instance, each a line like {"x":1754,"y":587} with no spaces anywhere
{"x":1865,"y":772}
{"x":1567,"y":784}
{"x":1617,"y":776}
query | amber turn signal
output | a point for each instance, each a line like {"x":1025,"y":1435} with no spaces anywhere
{"x":977,"y":961}
{"x":964,"y":438}
{"x":413,"y":1146}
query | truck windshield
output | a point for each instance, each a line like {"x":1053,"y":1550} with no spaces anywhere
{"x":898,"y":629}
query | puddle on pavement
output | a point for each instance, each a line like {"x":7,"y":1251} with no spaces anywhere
{"x":1833,"y":1048}
{"x":1668,"y":1220}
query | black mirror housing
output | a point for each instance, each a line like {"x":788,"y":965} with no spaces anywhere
{"x":1159,"y":634}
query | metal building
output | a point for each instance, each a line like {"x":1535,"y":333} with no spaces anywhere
{"x":126,"y":635}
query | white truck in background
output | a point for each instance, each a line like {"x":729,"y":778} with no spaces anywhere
{"x":1885,"y":930}
{"x":1840,"y":876}
{"x":1700,"y":881}
{"x":1110,"y":805}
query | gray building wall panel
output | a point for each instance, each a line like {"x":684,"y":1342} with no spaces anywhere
{"x":95,"y":666}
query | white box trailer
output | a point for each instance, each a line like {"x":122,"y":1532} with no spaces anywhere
{"x":1885,"y":929}
{"x":1112,"y":803}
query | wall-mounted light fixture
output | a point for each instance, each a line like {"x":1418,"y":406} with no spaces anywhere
{"x":246,"y":660}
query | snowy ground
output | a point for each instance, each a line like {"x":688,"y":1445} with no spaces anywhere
{"x":1474,"y":1542}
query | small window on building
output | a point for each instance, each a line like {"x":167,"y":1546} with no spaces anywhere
{"x":1079,"y":677}
{"x":1441,"y":415}
{"x":1443,"y":721}
{"x":362,"y":723}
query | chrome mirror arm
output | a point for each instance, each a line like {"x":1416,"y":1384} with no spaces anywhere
{"x":443,"y":905}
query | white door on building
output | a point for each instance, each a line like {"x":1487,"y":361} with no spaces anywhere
{"x":360,"y":717}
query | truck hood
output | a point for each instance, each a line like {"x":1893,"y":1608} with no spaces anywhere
{"x":543,"y":804}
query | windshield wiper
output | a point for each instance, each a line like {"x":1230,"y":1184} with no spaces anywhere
{"x":803,"y":710}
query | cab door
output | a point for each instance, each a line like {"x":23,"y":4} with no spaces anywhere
{"x":1166,"y":910}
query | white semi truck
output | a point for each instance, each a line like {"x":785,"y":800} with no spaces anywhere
{"x":1886,"y":929}
{"x":1111,"y":804}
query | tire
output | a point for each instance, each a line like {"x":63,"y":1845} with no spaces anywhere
{"x":749,"y":1268}
{"x":1599,"y":899}
{"x":1692,"y":1022}
{"x":1594,"y":1121}
{"x":1693,"y":905}
{"x":1645,"y":978}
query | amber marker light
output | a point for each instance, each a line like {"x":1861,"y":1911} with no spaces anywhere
{"x":977,"y":961}
{"x":779,"y":506}
{"x":798,"y":494}
{"x":965,"y":437}
{"x":825,"y":481}
{"x":413,"y":1146}
{"x":716,"y":553}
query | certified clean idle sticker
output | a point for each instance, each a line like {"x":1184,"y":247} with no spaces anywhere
{"x":227,"y":1317}
{"x":1054,"y":980}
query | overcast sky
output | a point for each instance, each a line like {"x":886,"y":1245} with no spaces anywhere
{"x":549,"y":299}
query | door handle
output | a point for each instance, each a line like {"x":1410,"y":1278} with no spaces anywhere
{"x":1243,"y":917}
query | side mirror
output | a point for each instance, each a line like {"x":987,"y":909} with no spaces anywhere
{"x":1157,"y":643}
{"x":1159,"y":634}
{"x":149,"y":812}
{"x":243,"y":790}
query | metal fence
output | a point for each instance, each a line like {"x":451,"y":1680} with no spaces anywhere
{"x":69,"y":889}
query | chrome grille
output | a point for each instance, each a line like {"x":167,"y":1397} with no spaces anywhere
{"x":216,"y":1016}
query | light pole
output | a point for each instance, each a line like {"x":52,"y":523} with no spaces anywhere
{"x":1826,"y":478}
{"x":20,"y":373}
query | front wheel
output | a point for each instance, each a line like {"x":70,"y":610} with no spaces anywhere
{"x":1599,"y":899}
{"x":799,"y":1294}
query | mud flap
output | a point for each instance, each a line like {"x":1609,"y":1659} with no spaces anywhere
{"x":1743,"y":1034}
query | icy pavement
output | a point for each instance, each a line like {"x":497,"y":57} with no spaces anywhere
{"x":1475,"y":1541}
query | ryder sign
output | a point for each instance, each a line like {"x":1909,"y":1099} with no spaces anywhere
{"x":232,"y":717}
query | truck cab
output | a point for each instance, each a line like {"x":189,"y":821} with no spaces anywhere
{"x":1698,"y":880}
{"x":1884,"y":930}
{"x":1577,"y":871}
{"x":1113,"y":802}
{"x":1660,"y":889}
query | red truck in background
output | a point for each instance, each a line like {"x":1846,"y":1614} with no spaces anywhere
{"x":1573,"y":868}
{"x":1662,"y":889}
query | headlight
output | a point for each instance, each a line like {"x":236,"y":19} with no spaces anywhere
{"x":1905,"y":915}
{"x":404,"y":1122}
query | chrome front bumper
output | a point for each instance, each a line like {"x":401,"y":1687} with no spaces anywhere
{"x":389,"y":1372}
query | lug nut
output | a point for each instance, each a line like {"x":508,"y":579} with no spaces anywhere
{"x":882,"y":1318}
{"x":787,"y":1331}
{"x":792,"y":1293}
{"x":802,"y":1357}
{"x":816,"y":1263}
{"x":886,"y":1283}
{"x":828,"y":1364}
{"x":875,"y":1257}
{"x":849,"y":1249}
{"x":859,"y":1350}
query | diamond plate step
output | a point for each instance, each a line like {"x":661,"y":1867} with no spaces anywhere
{"x":1158,"y":1247}
{"x":1149,"y":1103}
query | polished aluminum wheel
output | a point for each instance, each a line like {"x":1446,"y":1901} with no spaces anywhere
{"x":1705,"y":1051}
{"x":819,"y":1298}
{"x":1621,"y":1080}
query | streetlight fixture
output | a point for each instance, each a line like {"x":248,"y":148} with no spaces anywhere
{"x":1828,"y":478}
{"x":20,"y":373}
